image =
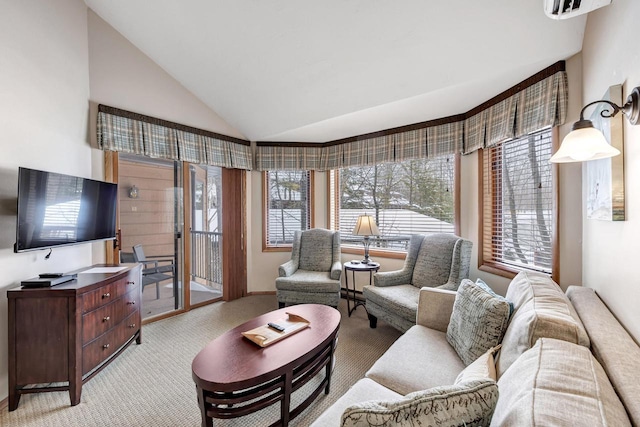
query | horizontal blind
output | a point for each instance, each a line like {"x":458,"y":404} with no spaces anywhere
{"x":287,"y":205}
{"x":415,"y":196}
{"x":518,"y":203}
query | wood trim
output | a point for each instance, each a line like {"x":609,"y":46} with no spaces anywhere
{"x":261,"y":293}
{"x":4,"y":403}
{"x":480,"y":207}
{"x":234,"y":273}
{"x":163,"y":316}
{"x":312,"y":199}
{"x":172,"y":125}
{"x":456,"y":194}
{"x":112,"y":248}
{"x":378,"y":253}
{"x":186,"y":234}
{"x":555,"y":236}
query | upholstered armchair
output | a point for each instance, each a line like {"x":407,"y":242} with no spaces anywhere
{"x":312,"y":276}
{"x":435,"y":261}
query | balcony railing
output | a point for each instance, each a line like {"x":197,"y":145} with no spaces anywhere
{"x":206,"y":255}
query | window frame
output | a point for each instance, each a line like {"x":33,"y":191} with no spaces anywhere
{"x":284,"y":247}
{"x":334,"y":198}
{"x":509,"y":271}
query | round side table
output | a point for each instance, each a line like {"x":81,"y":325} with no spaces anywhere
{"x":353,"y":268}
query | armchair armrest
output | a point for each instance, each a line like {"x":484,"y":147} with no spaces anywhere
{"x":392,"y":278}
{"x":288,"y":268}
{"x":336,"y":270}
{"x":435,"y":307}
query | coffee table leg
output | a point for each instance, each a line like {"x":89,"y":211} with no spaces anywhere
{"x":286,"y":399}
{"x":206,"y":421}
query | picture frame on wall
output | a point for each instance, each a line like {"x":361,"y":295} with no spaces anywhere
{"x":605,"y":177}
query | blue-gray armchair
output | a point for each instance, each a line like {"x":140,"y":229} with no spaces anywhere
{"x":312,"y":276}
{"x":435,"y":261}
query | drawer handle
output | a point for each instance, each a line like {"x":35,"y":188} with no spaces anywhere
{"x":131,"y":303}
{"x":106,"y":319}
{"x":107,"y":295}
{"x":106,"y":346}
{"x":131,"y":283}
{"x":133,"y":325}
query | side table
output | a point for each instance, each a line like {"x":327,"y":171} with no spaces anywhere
{"x":353,"y":268}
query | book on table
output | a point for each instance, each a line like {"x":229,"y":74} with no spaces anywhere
{"x":266,"y":335}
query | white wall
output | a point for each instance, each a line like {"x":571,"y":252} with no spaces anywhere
{"x":44,"y":92}
{"x":610,"y":249}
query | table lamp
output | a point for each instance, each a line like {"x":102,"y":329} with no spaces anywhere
{"x":366,"y":226}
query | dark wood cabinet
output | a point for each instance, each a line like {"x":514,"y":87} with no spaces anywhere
{"x":67,"y":333}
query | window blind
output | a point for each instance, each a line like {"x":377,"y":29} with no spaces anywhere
{"x":288,"y":205}
{"x":415,"y":196}
{"x":517,"y":203}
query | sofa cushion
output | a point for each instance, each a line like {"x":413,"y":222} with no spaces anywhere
{"x":541,"y":309}
{"x":469,"y":404}
{"x":365,"y":389}
{"x":612,"y":346}
{"x":557,"y":383}
{"x":401,"y":300}
{"x":483,"y":368}
{"x":421,"y":358}
{"x":478,"y":321}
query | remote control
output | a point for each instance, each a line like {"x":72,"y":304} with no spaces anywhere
{"x":50,"y":275}
{"x":276,"y":326}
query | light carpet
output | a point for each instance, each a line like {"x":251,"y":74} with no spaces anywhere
{"x":151,"y":384}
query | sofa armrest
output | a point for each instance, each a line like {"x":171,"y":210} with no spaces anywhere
{"x":288,"y":268}
{"x":336,"y":270}
{"x":435,"y":307}
{"x":392,"y":278}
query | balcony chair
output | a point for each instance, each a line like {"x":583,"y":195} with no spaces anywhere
{"x":435,"y":261}
{"x":312,"y":276}
{"x":156,"y":270}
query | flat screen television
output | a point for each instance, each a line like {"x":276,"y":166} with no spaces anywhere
{"x":56,"y":209}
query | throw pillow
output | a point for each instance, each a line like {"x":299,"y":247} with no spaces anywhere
{"x":477,"y":323}
{"x":484,"y":367}
{"x":487,"y":288}
{"x":470,"y":404}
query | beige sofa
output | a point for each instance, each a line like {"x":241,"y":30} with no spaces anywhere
{"x":565,"y":360}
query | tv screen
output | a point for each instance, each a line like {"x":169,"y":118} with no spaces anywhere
{"x":56,"y":209}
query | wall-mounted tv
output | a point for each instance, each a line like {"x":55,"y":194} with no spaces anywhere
{"x":56,"y":209}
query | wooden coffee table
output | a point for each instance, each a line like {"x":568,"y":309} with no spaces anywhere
{"x":235,"y":377}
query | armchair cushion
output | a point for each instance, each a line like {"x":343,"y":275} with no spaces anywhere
{"x":316,"y":250}
{"x":308,"y":281}
{"x":434,"y":260}
{"x":469,"y":404}
{"x":402,"y":300}
{"x":478,"y":321}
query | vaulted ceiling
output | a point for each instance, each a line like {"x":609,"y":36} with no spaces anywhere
{"x":315,"y":71}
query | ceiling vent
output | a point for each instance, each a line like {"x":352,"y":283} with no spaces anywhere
{"x":563,"y":9}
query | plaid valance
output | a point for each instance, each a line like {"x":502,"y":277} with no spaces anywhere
{"x":533,"y":104}
{"x":127,"y":132}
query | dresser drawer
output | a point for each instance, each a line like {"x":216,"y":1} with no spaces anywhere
{"x":126,"y":285}
{"x":104,"y":346}
{"x":101,"y":296}
{"x":99,"y":321}
{"x":128,"y":304}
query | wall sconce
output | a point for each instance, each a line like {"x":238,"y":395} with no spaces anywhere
{"x":366,"y":226}
{"x":585,"y":142}
{"x":133,"y":192}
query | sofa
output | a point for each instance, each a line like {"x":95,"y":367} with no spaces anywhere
{"x":563,"y":360}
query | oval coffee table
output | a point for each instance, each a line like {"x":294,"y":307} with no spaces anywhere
{"x":235,"y":377}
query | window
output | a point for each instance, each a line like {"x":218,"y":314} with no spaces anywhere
{"x":287,"y":206}
{"x":414,"y":196}
{"x":517,"y":202}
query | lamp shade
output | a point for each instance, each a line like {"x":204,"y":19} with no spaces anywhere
{"x":582,"y":145}
{"x":366,"y":226}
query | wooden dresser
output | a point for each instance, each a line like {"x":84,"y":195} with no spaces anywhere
{"x":60,"y":337}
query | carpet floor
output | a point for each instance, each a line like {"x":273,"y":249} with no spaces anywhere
{"x":151,"y":385}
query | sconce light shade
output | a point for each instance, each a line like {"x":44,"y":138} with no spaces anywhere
{"x":133,"y":192}
{"x":366,"y":226}
{"x":585,"y":142}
